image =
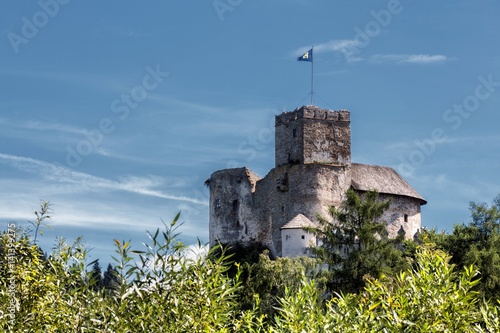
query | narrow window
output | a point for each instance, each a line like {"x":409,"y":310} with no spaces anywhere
{"x":406,"y":217}
{"x":235,"y":205}
{"x":217,"y":203}
{"x":282,"y":209}
{"x":303,"y":237}
{"x":294,"y":132}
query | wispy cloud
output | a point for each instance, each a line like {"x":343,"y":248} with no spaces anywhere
{"x":404,"y":146}
{"x":345,"y":46}
{"x":43,"y":126}
{"x":337,"y":45}
{"x":146,"y":186}
{"x":88,"y":80}
{"x":409,"y":58}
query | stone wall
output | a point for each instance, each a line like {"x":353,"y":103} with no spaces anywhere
{"x":395,"y":216}
{"x":231,"y":206}
{"x":288,"y":190}
{"x":312,"y":135}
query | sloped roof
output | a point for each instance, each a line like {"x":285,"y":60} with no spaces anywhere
{"x":299,"y":222}
{"x":365,"y":177}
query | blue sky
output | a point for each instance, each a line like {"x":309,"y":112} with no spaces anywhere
{"x":116,"y":112}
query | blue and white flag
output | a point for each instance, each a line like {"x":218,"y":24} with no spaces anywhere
{"x":308,"y":56}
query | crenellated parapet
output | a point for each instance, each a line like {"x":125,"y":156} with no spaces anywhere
{"x":312,"y":112}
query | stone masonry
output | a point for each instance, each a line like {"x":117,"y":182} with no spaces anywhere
{"x":313,"y":171}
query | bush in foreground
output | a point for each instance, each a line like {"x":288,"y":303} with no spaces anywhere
{"x":160,"y":290}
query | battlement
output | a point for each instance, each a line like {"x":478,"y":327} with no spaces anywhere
{"x":312,"y":112}
{"x":313,"y":135}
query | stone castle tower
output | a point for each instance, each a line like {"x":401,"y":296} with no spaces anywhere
{"x":313,"y":171}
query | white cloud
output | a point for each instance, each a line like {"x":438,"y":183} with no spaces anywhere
{"x":345,"y":46}
{"x":91,"y":81}
{"x":337,"y":45}
{"x":43,"y":126}
{"x":83,"y":181}
{"x":195,"y":251}
{"x":458,"y":141}
{"x":409,"y":58}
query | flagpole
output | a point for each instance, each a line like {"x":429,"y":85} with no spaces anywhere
{"x":312,"y":78}
{"x":309,"y":56}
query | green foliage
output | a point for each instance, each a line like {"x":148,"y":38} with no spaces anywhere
{"x":300,"y":310}
{"x":356,"y":245}
{"x":159,"y":289}
{"x":156,"y":290}
{"x":269,"y":280}
{"x":241,"y":256}
{"x":477,"y":243}
{"x":41,"y":216}
{"x":39,"y":295}
{"x":430,"y":298}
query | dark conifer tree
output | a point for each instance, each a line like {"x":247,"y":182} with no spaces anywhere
{"x":110,"y":279}
{"x":96,"y":277}
{"x":355,"y":242}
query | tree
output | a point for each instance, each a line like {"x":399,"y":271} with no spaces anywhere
{"x":356,"y":244}
{"x":478,"y":243}
{"x":96,"y":278}
{"x":268,"y":279}
{"x":432,"y":297}
{"x":240,"y":255}
{"x":110,"y":279}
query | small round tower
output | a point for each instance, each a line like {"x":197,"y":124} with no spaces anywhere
{"x":231,"y":205}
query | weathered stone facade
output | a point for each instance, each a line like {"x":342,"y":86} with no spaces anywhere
{"x":313,"y":171}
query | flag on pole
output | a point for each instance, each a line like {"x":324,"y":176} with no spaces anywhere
{"x":308,"y":56}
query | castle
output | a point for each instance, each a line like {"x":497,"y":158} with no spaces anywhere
{"x":313,"y":171}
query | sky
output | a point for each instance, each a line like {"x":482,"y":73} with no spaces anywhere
{"x":116,"y":112}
